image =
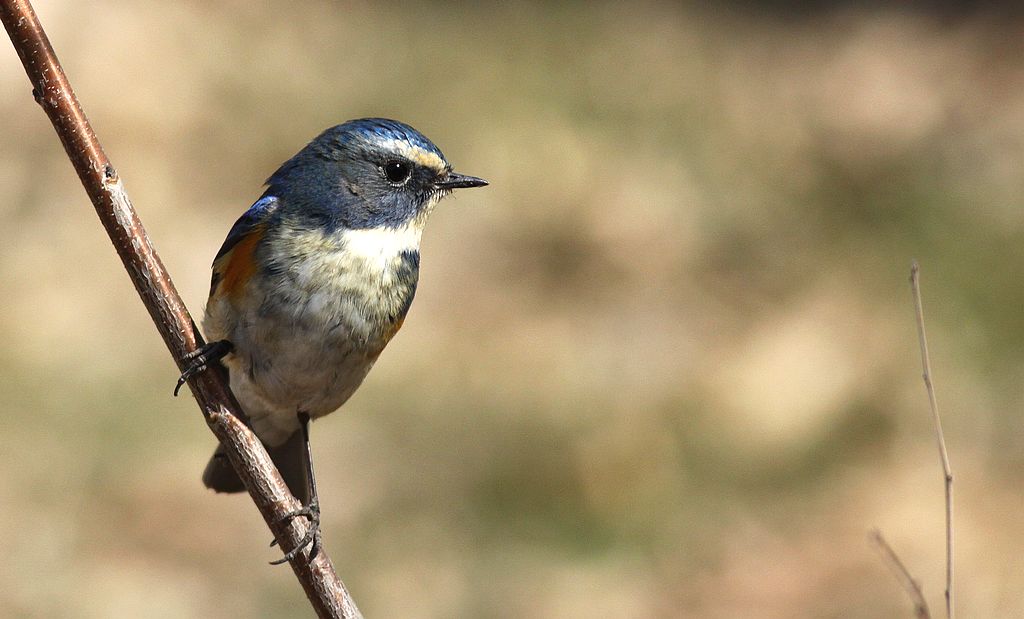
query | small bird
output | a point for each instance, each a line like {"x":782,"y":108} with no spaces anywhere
{"x":311,"y":284}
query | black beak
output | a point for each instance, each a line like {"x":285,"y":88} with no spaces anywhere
{"x":459,"y":181}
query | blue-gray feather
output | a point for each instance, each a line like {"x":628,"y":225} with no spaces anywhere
{"x":335,"y":180}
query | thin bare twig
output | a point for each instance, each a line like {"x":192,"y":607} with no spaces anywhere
{"x":947,"y":471}
{"x":53,"y":92}
{"x":911,"y":586}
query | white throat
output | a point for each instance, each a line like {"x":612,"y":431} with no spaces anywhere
{"x":382,"y":244}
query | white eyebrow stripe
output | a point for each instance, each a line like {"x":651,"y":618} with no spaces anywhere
{"x":415,"y":154}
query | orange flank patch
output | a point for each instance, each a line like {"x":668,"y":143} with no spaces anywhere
{"x":239,"y":264}
{"x":393,"y":329}
{"x":388,"y":333}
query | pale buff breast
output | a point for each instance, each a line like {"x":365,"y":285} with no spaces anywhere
{"x":307,"y":331}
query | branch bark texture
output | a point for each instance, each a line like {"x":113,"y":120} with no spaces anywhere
{"x":54,"y":94}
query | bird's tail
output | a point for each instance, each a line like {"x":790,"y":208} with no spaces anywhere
{"x":289,"y":458}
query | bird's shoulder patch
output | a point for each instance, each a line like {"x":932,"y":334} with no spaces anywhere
{"x":233,"y":269}
{"x":235,"y":262}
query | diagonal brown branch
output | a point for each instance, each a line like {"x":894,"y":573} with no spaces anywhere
{"x":947,"y":471}
{"x":911,"y":586}
{"x":53,"y":92}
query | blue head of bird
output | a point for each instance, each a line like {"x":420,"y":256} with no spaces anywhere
{"x":364,"y":174}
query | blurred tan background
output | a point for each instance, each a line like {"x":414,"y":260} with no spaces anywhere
{"x":664,"y":366}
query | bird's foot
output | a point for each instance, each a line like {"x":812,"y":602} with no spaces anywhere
{"x":312,"y":536}
{"x":199,"y":360}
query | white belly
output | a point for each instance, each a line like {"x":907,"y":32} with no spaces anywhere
{"x":280,"y":379}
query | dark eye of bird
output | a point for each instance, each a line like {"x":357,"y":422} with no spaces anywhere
{"x":397,"y":171}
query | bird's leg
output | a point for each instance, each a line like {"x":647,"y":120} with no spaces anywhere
{"x":200,"y":359}
{"x":310,"y":510}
